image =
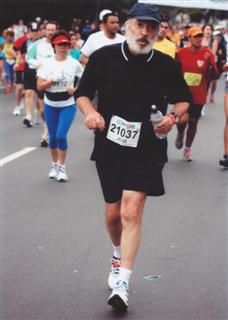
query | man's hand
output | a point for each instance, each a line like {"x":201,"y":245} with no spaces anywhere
{"x":71,"y":91}
{"x":225,"y":67}
{"x":165,"y":125}
{"x":94,"y":120}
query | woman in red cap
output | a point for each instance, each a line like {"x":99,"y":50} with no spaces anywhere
{"x":58,"y":78}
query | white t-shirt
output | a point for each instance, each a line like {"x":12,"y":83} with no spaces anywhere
{"x":64,"y":72}
{"x":39,"y":52}
{"x":98,"y":40}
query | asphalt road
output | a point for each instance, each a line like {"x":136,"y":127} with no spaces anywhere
{"x":55,"y":252}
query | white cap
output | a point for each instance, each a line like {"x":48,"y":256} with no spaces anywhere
{"x":216,"y":32}
{"x":219,"y":27}
{"x":103,"y":13}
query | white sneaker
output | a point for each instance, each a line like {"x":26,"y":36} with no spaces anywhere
{"x":119,"y":297}
{"x":53,"y":171}
{"x":114,"y":273}
{"x":203,"y":111}
{"x":61,"y":176}
{"x":17,"y":111}
{"x":22,"y":105}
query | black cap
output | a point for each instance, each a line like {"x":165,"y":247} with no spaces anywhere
{"x":143,"y":11}
{"x":33,"y":26}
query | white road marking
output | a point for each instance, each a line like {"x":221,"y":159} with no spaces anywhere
{"x":16,"y":155}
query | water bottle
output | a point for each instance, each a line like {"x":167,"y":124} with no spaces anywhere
{"x":156,"y":116}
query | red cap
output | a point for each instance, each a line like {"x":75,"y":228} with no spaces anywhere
{"x":61,"y":39}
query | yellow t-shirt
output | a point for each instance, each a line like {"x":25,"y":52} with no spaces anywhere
{"x":7,"y":46}
{"x":166,"y":46}
{"x":174,"y":37}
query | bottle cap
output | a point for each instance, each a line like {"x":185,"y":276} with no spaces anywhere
{"x":154,"y":109}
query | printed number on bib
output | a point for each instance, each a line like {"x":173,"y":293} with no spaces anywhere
{"x":193,"y":79}
{"x":123,"y":132}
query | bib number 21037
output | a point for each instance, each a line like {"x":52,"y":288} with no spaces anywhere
{"x":123,"y":132}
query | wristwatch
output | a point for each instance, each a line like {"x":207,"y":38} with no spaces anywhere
{"x":175,"y":116}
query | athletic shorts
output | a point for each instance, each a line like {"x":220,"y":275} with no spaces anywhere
{"x":226,"y":87}
{"x":194,"y":111}
{"x":114,"y":180}
{"x":19,"y":77}
{"x":40,"y":94}
{"x":30,"y":79}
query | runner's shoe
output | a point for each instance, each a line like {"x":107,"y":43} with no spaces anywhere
{"x":22,"y":105}
{"x":43,"y":143}
{"x":61,"y":176}
{"x":119,"y":297}
{"x":187,"y":155}
{"x":179,"y":140}
{"x":53,"y":171}
{"x":224,"y":161}
{"x":114,"y":273}
{"x":203,"y":111}
{"x":27,"y":123}
{"x":17,"y":111}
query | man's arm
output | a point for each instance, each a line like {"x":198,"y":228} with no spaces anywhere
{"x":93,"y":119}
{"x":180,"y":108}
{"x":84,"y":59}
{"x":169,"y":120}
{"x":31,"y":56}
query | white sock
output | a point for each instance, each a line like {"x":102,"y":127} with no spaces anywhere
{"x":125,"y":274}
{"x":116,"y":252}
{"x":44,"y":136}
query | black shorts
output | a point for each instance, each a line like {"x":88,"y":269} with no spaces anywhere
{"x":40,"y":94}
{"x":115,"y":179}
{"x":30,"y":79}
{"x":194,"y":111}
{"x":19,"y":77}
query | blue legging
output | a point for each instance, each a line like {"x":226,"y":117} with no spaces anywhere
{"x":59,"y":120}
{"x":9,"y":72}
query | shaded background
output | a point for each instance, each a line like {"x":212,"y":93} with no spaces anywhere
{"x":65,"y":10}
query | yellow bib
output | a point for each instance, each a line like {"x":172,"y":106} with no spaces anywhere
{"x":193,"y":79}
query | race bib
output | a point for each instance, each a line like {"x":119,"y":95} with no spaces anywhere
{"x":193,"y":79}
{"x":64,"y":81}
{"x":123,"y":132}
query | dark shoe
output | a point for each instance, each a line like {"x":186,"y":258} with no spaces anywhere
{"x":179,"y":140}
{"x":43,"y":143}
{"x":224,"y":161}
{"x":27,"y":123}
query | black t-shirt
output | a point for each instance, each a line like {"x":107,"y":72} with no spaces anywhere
{"x":127,"y":86}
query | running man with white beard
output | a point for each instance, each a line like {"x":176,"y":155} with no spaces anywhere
{"x":130,"y":78}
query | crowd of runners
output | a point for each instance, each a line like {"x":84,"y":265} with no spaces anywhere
{"x":114,"y":73}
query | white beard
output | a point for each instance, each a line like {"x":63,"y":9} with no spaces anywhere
{"x":134,"y":46}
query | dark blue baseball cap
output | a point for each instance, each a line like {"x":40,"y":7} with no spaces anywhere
{"x":143,"y":11}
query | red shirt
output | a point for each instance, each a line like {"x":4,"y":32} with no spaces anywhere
{"x":20,"y":46}
{"x":194,"y":66}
